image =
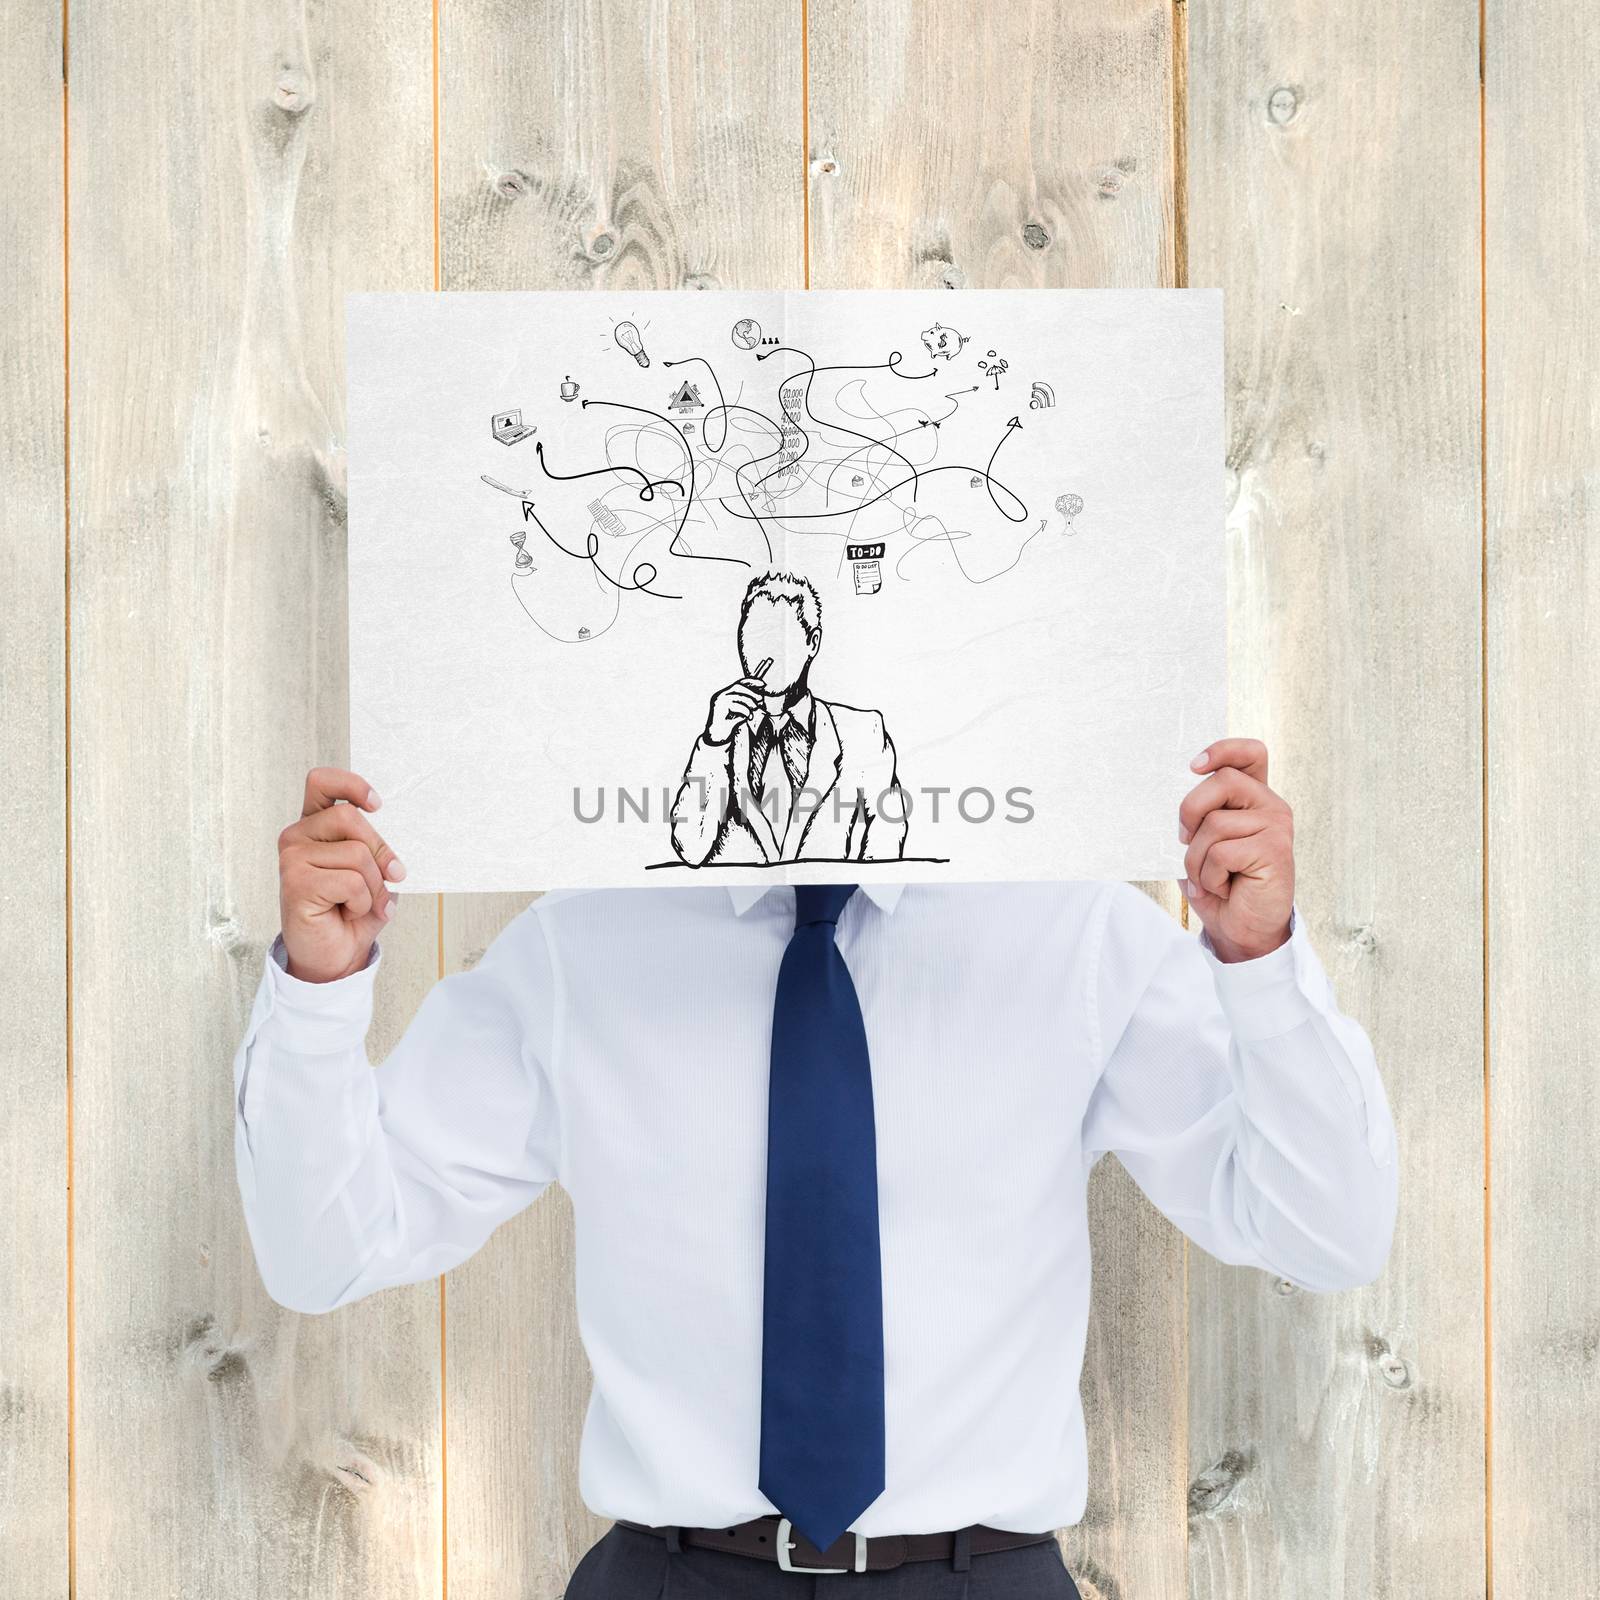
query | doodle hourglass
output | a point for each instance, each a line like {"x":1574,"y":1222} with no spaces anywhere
{"x":564,"y":595}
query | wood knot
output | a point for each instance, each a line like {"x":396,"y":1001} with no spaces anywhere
{"x":1391,"y":1368}
{"x":824,"y":167}
{"x":292,"y":93}
{"x":700,"y":280}
{"x":1108,"y":185}
{"x":206,"y":1352}
{"x":953,"y":278}
{"x":226,"y":932}
{"x":602,"y":245}
{"x":1283,"y":106}
{"x":355,"y":1469}
{"x":511,"y":185}
{"x":1035,"y":236}
{"x":1211,"y":1490}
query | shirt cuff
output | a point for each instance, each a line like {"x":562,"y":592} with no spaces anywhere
{"x":320,"y":1018}
{"x":1266,"y":995}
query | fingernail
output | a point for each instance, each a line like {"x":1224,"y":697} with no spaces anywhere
{"x":1200,"y":760}
{"x":395,"y":869}
{"x":1187,"y":887}
{"x":388,"y":910}
{"x":1183,"y":834}
{"x":373,"y":802}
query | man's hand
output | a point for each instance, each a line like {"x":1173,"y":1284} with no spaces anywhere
{"x":332,"y":898}
{"x":737,"y":703}
{"x":1240,"y":858}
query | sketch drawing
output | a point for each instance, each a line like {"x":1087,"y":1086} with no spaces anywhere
{"x":709,"y":483}
{"x":946,"y":342}
{"x":627,"y":336}
{"x":866,"y":567}
{"x":724,"y":470}
{"x":686,"y":397}
{"x":994,"y":365}
{"x":777,"y":773}
{"x":508,"y":427}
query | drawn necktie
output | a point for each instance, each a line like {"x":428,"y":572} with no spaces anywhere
{"x":822,"y":1430}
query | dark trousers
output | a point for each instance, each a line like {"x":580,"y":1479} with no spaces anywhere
{"x":625,"y":1564}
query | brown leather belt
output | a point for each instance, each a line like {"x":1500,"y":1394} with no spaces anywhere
{"x":773,"y":1538}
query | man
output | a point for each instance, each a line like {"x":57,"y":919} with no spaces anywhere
{"x":827,"y":1149}
{"x":779,"y":775}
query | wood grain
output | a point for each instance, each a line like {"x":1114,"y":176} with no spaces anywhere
{"x":601,"y":145}
{"x":1337,"y":1441}
{"x":235,"y":168}
{"x":1542,"y":241}
{"x":34,"y":1400}
{"x":1020,"y":146}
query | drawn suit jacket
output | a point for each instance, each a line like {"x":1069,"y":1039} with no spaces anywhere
{"x":852,"y":769}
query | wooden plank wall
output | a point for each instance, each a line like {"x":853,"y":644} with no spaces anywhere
{"x":1334,"y":196}
{"x":1399,"y":206}
{"x":1542,"y":230}
{"x":35,"y":1286}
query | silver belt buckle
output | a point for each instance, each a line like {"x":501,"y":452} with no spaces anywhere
{"x":786,"y":1544}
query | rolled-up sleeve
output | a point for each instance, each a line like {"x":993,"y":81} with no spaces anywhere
{"x":1241,"y":1100}
{"x":354,"y":1177}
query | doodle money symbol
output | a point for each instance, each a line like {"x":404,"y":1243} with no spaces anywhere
{"x":628,"y":337}
{"x":1041,"y":396}
{"x":747,"y":333}
{"x":1069,"y":505}
{"x":944,"y":342}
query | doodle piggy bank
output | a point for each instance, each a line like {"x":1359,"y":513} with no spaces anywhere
{"x":944,"y":342}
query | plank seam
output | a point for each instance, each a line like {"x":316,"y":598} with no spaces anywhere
{"x":66,"y":727}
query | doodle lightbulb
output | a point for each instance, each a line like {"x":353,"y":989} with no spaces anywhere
{"x":628,"y":338}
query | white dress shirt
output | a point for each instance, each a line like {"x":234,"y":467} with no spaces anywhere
{"x":617,"y":1041}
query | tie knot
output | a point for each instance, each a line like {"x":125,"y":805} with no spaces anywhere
{"x":820,"y":902}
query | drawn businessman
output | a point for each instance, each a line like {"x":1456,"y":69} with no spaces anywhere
{"x":778,"y":774}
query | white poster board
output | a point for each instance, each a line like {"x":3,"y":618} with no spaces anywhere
{"x":674,"y":587}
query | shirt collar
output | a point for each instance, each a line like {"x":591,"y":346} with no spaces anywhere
{"x":799,"y":714}
{"x":883,"y":895}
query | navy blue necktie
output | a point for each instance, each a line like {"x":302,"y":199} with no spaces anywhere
{"x":822,"y":1324}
